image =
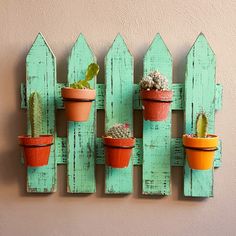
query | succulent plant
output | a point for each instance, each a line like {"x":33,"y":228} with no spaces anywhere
{"x":35,"y":114}
{"x":154,"y":81}
{"x":201,"y":126}
{"x":119,"y":131}
{"x":91,"y":71}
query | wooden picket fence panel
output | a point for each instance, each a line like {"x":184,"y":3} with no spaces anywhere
{"x":156,"y":152}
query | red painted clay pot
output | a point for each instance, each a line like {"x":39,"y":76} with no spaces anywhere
{"x":36,"y":150}
{"x":200,"y":151}
{"x":78,"y":103}
{"x":118,"y":151}
{"x":156,"y":104}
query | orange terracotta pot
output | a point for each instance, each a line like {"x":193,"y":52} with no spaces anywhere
{"x":200,"y":151}
{"x":36,"y":150}
{"x":118,"y":151}
{"x":78,"y":103}
{"x":156,"y":104}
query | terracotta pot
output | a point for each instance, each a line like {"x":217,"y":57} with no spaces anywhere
{"x":200,"y":151}
{"x":78,"y":103}
{"x":118,"y":151}
{"x":156,"y":104}
{"x":36,"y":150}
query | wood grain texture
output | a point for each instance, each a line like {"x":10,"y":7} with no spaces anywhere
{"x":199,"y":97}
{"x":177,"y":104}
{"x":157,"y":135}
{"x":119,"y":108}
{"x":41,"y":77}
{"x":81,"y":135}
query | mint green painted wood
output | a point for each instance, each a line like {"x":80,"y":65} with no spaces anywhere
{"x":61,"y":150}
{"x":199,"y":96}
{"x":157,"y":135}
{"x":81,"y":135}
{"x":218,"y":95}
{"x":41,"y":77}
{"x":119,"y":107}
{"x":177,"y":104}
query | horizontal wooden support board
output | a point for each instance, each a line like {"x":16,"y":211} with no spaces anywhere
{"x":178,"y":100}
{"x":177,"y":157}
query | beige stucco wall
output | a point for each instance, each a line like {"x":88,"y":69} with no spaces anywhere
{"x":179,"y":22}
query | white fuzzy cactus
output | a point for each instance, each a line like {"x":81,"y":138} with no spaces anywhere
{"x":119,"y":131}
{"x":154,"y":81}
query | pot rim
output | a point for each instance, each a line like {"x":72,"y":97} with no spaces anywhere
{"x":27,"y":136}
{"x":209,"y":137}
{"x":118,"y":145}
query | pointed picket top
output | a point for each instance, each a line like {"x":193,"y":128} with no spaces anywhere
{"x":80,"y":57}
{"x":201,"y":48}
{"x":158,"y":44}
{"x":118,"y":45}
{"x":156,"y":53}
{"x":81,"y":44}
{"x":39,"y":41}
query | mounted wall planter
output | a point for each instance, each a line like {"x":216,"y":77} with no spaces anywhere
{"x":200,"y":152}
{"x":36,"y":147}
{"x":78,"y":103}
{"x":156,"y":151}
{"x":118,"y":145}
{"x":79,"y":96}
{"x":118,"y":151}
{"x":36,"y":150}
{"x":156,"y":104}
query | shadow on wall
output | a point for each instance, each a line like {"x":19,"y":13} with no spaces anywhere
{"x":11,"y":169}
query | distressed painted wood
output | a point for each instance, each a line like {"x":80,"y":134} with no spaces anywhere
{"x":81,"y":135}
{"x":41,"y":77}
{"x":177,"y":104}
{"x":200,"y":95}
{"x":157,"y":135}
{"x":119,"y":108}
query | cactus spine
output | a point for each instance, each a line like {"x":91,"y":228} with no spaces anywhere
{"x":119,"y":131}
{"x":201,"y":126}
{"x":91,"y":71}
{"x":35,"y":114}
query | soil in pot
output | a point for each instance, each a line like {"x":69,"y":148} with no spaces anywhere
{"x":156,"y":104}
{"x":36,"y":150}
{"x":78,"y":103}
{"x":118,"y":151}
{"x":200,"y":151}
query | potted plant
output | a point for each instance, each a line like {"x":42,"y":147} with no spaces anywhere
{"x":118,"y":144}
{"x":156,"y":97}
{"x":200,"y":147}
{"x":36,"y":147}
{"x":78,"y":96}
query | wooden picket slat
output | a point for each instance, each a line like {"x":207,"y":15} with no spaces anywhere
{"x":199,"y":97}
{"x":157,"y":135}
{"x":119,"y":107}
{"x":41,"y":77}
{"x":81,"y":135}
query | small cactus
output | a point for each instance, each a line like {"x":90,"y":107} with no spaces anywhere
{"x":119,"y":131}
{"x":154,"y":81}
{"x":35,"y":114}
{"x":91,"y":71}
{"x":201,"y":126}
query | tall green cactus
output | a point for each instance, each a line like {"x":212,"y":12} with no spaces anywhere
{"x":201,"y":126}
{"x":35,"y":114}
{"x":91,"y":71}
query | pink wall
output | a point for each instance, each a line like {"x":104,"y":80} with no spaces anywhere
{"x":179,"y":22}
